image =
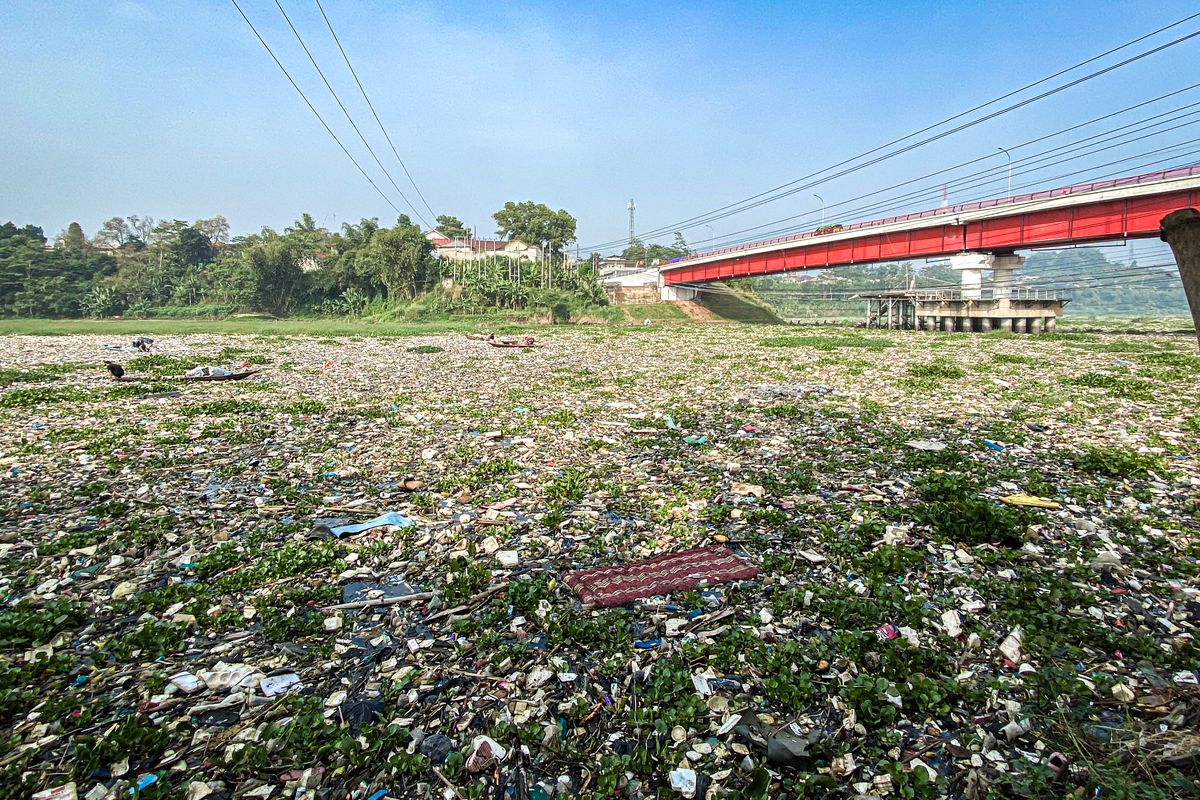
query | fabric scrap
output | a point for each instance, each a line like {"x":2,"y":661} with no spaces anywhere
{"x":616,"y":585}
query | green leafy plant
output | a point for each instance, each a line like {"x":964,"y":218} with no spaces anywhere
{"x":1119,"y":462}
{"x":1115,"y":385}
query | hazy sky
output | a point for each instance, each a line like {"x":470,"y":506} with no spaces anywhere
{"x":174,"y":109}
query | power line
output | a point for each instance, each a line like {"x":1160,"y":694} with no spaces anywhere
{"x":1043,"y":277}
{"x":728,"y":240}
{"x":870,"y":212}
{"x":313,"y":109}
{"x":770,"y":194}
{"x":371,"y":106}
{"x":1139,"y":277}
{"x":349,"y":118}
{"x":1028,"y":101}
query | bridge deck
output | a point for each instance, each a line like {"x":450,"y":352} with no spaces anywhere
{"x":1122,"y":208}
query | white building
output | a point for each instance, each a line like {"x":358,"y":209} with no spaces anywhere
{"x":464,"y":249}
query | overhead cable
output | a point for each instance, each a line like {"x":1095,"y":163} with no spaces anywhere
{"x":873,"y":212}
{"x":998,"y":170}
{"x":371,"y":106}
{"x":349,"y":118}
{"x":313,"y":109}
{"x":778,"y":192}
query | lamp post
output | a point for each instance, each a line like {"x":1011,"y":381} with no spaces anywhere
{"x":1006,"y":153}
{"x":712,"y":238}
{"x":822,"y":199}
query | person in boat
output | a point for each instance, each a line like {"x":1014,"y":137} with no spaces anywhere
{"x":528,"y":341}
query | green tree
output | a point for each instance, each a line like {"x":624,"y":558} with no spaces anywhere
{"x":403,"y":258}
{"x":535,"y":223}
{"x":354,"y":236}
{"x":452,"y":227}
{"x":636,"y":251}
{"x":36,"y":281}
{"x":73,"y":239}
{"x":215,"y":228}
{"x":307,"y":236}
{"x":274,"y":271}
{"x":192,"y":248}
{"x":660,"y":253}
{"x":114,"y":232}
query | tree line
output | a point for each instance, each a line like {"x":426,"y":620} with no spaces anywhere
{"x":138,"y":266}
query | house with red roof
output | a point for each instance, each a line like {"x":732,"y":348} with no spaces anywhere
{"x":458,"y":248}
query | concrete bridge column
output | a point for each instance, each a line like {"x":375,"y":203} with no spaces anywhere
{"x":1050,"y":324}
{"x":971,"y":265}
{"x":1035,"y":324}
{"x":985,"y":324}
{"x":1002,"y":273}
{"x":931,"y":323}
{"x":1006,"y":324}
{"x":1181,"y":230}
{"x":948,"y":324}
{"x":672,"y":293}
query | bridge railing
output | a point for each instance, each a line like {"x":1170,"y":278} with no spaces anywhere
{"x":986,"y":293}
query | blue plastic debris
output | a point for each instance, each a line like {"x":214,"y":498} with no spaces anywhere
{"x":648,"y":644}
{"x":143,"y":783}
{"x":390,"y":518}
{"x":999,"y":448}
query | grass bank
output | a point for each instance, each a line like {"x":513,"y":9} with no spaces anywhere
{"x":315,"y":326}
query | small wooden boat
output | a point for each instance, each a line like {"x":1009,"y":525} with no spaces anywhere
{"x":235,"y":376}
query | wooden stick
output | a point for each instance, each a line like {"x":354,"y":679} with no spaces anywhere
{"x":383,"y":601}
{"x":447,"y":613}
{"x":477,"y":599}
{"x":449,"y":785}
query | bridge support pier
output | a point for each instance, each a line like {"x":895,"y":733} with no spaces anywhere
{"x":670,"y":293}
{"x":1050,"y":324}
{"x":1181,"y":230}
{"x":973,"y":265}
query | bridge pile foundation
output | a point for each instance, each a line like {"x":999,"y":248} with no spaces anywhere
{"x":1016,"y":310}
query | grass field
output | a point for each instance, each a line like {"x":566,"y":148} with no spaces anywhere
{"x":315,"y":326}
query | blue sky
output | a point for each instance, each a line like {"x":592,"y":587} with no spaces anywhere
{"x":117,"y":107}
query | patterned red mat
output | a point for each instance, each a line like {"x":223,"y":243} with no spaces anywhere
{"x":617,"y":585}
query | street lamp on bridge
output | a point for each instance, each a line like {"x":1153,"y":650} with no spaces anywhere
{"x":822,"y":199}
{"x":1009,"y":170}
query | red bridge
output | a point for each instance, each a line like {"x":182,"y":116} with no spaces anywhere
{"x":1122,"y":208}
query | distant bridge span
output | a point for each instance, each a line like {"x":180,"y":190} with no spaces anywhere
{"x":1122,"y":208}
